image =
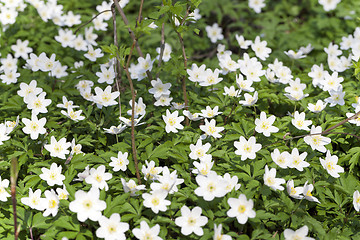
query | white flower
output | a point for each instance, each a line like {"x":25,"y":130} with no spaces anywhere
{"x":112,"y":228}
{"x":166,"y":52}
{"x":87,"y":205}
{"x":232,"y":182}
{"x":159,"y":88}
{"x":298,"y":160}
{"x":26,"y":89}
{"x":330,"y":165}
{"x":34,"y":200}
{"x":244,"y":44}
{"x":210,"y":186}
{"x":53,"y":175}
{"x":295,"y":192}
{"x":3,"y":193}
{"x":105,"y":97}
{"x":299,"y":234}
{"x":66,"y":104}
{"x":150,"y":171}
{"x":145,"y":232}
{"x":172,"y":121}
{"x":271,"y":181}
{"x":256,"y":5}
{"x":131,"y":187}
{"x":191,"y":221}
{"x":93,"y":54}
{"x":119,"y":163}
{"x":106,"y":75}
{"x":156,"y":200}
{"x":281,"y":159}
{"x":199,"y":150}
{"x":260,"y":49}
{"x":34,"y":127}
{"x":37,"y":104}
{"x":356,"y":200}
{"x":210,"y":128}
{"x":58,"y":148}
{"x":139,"y":108}
{"x":264,"y":125}
{"x":3,"y":133}
{"x":62,"y":193}
{"x":307,"y":193}
{"x":231,"y":92}
{"x":73,"y":115}
{"x":214,"y":32}
{"x":196,"y":72}
{"x":218,"y":235}
{"x":318,"y":107}
{"x":315,"y":140}
{"x":98,"y":177}
{"x":247,"y":149}
{"x":52,"y":203}
{"x":168,"y":181}
{"x":241,"y":208}
{"x":203,"y":167}
{"x":210,"y":113}
{"x":249,"y":100}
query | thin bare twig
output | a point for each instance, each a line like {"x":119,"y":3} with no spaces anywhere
{"x":162,"y":47}
{"x":132,"y":115}
{"x":139,"y":19}
{"x":86,"y":23}
{"x":117,"y":66}
{"x":132,"y":34}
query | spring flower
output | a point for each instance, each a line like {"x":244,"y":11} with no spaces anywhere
{"x":131,"y":187}
{"x":214,"y":32}
{"x":120,"y":162}
{"x":52,"y":203}
{"x":260,"y":49}
{"x":93,"y":54}
{"x":159,"y":88}
{"x":210,"y":129}
{"x":318,"y":107}
{"x":37,"y":104}
{"x":203,"y":167}
{"x":271,"y":181}
{"x":317,"y":142}
{"x":196,"y":72}
{"x":247,"y":149}
{"x":264,"y":125}
{"x":112,"y":228}
{"x":98,"y":177}
{"x":241,"y":208}
{"x":156,"y":200}
{"x":139,"y":109}
{"x":87,"y":205}
{"x":3,"y":193}
{"x":58,"y":148}
{"x":34,"y":200}
{"x":256,"y":5}
{"x":299,"y":121}
{"x":145,"y":232}
{"x":231,"y":182}
{"x":172,"y":121}
{"x":244,"y":44}
{"x":281,"y":159}
{"x":210,"y":186}
{"x":166,"y":52}
{"x":73,"y":115}
{"x":307,"y":193}
{"x":168,"y":181}
{"x":210,"y":113}
{"x":218,"y":235}
{"x":105,"y":97}
{"x":299,"y":234}
{"x":34,"y":127}
{"x":62,"y":193}
{"x":106,"y":75}
{"x":199,"y":150}
{"x":53,"y":175}
{"x":298,"y":160}
{"x":191,"y":221}
{"x":330,"y":165}
{"x":294,"y":192}
{"x":356,"y":200}
{"x":249,"y":100}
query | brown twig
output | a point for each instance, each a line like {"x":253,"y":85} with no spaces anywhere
{"x":86,"y":23}
{"x":132,"y":34}
{"x":162,"y":47}
{"x":325,"y":132}
{"x":132,"y":115}
{"x":13,"y":178}
{"x":117,"y":63}
{"x":139,"y":19}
